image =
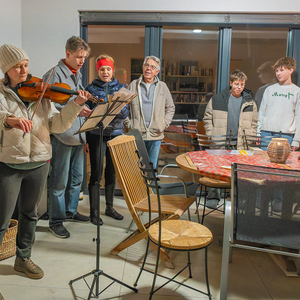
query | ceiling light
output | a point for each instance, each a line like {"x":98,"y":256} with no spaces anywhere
{"x":197,"y":30}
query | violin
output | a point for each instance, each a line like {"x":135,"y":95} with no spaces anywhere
{"x":57,"y":92}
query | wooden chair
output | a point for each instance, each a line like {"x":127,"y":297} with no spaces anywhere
{"x":169,"y":234}
{"x":249,"y":222}
{"x":167,"y":188}
{"x":122,"y":149}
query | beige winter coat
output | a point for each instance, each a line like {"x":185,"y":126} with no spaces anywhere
{"x":162,"y":113}
{"x":215,"y":116}
{"x":35,"y":146}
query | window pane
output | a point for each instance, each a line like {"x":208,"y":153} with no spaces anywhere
{"x":126,"y":44}
{"x":189,"y":67}
{"x":254,"y":51}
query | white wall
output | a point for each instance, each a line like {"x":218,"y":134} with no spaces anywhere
{"x":46,"y":25}
{"x":10,"y":23}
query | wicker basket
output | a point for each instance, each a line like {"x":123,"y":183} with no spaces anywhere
{"x":8,"y":246}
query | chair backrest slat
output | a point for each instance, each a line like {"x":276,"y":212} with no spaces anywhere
{"x":257,"y":141}
{"x":216,"y":141}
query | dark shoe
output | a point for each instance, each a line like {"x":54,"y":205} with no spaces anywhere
{"x":27,"y":266}
{"x":44,"y":217}
{"x":59,"y":231}
{"x":111,"y":212}
{"x":77,"y":218}
{"x":212,"y":203}
{"x":94,"y":221}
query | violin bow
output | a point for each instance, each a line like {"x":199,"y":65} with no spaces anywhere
{"x":41,"y":97}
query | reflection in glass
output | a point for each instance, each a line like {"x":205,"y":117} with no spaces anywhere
{"x":189,"y":68}
{"x":253,"y":50}
{"x":125,"y":44}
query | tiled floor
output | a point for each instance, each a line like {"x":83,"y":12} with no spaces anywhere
{"x":252,"y":275}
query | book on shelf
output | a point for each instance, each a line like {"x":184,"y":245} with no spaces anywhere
{"x":202,"y":87}
{"x":206,"y":72}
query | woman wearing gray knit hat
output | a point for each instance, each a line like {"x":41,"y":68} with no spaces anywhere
{"x":24,"y":159}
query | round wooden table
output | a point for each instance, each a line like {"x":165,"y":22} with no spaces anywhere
{"x":218,"y":166}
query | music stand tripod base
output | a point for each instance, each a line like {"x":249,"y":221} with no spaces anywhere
{"x":97,"y":272}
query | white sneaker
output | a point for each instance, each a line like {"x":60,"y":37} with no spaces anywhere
{"x":80,"y":198}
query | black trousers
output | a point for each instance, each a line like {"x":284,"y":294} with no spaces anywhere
{"x":28,"y":185}
{"x":109,"y":172}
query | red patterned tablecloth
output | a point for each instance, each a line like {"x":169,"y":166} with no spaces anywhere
{"x":210,"y":165}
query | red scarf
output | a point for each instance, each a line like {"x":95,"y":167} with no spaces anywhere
{"x":71,"y":69}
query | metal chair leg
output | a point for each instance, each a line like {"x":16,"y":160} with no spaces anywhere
{"x":143,"y":264}
{"x":204,"y":205}
{"x":206,"y":275}
{"x":190,"y":265}
{"x":155,"y":272}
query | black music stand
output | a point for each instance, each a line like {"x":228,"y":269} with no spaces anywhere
{"x":101,"y":116}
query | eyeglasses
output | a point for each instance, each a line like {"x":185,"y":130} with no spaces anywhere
{"x":152,"y":67}
{"x":242,"y":85}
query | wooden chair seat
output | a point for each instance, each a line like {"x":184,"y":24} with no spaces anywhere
{"x":170,"y":205}
{"x":181,"y":235}
{"x":215,"y":183}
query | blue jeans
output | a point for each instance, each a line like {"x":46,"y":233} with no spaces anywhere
{"x":153,"y":148}
{"x":65,"y":180}
{"x":289,"y":137}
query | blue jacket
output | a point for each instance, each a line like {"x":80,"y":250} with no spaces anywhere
{"x":101,"y":89}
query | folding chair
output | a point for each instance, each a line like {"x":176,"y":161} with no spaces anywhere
{"x":189,"y":188}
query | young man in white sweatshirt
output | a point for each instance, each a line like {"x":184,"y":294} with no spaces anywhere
{"x":280,"y":106}
{"x":279,"y":112}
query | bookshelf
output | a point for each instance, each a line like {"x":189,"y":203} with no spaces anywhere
{"x":188,"y":82}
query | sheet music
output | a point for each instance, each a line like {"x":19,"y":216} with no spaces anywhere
{"x":106,"y":112}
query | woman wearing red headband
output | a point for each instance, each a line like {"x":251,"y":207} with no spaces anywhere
{"x":102,"y":86}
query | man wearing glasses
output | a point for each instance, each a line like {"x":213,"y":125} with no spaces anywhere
{"x":152,"y":111}
{"x":232,"y":111}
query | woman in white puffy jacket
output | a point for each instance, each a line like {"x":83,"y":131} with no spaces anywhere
{"x":24,"y":159}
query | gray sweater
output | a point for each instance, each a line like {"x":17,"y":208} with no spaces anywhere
{"x":62,"y":74}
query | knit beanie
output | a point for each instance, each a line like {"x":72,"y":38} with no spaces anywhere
{"x":9,"y":56}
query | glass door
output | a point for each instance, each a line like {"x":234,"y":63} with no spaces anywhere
{"x":254,"y":51}
{"x":189,"y":57}
{"x":126,"y":44}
